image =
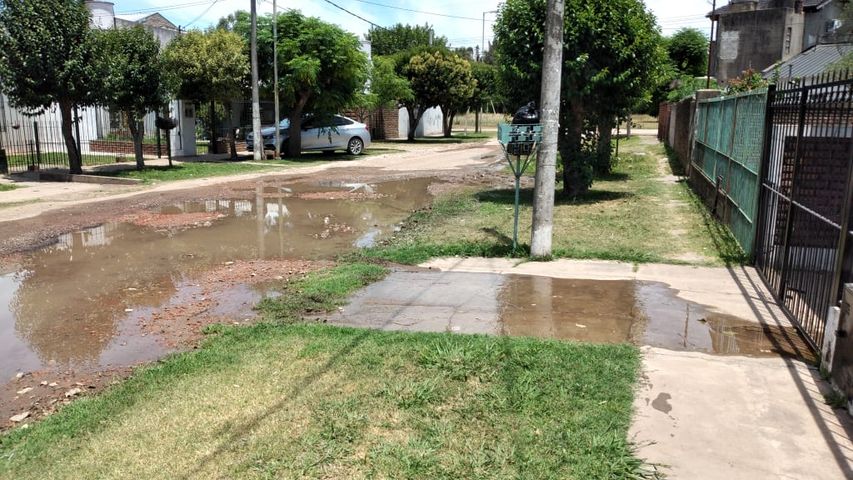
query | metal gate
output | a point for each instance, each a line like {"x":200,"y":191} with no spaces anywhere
{"x":726,"y":158}
{"x":803,"y":230}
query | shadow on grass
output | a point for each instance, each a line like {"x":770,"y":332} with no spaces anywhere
{"x":674,"y":162}
{"x":507,"y":196}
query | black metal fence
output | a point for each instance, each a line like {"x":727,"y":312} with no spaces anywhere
{"x":802,"y":247}
{"x":36,"y":142}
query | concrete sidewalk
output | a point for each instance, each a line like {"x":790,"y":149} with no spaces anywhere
{"x":716,"y":399}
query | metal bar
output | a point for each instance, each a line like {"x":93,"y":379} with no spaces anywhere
{"x":845,"y":227}
{"x":788,"y":221}
{"x":38,"y":143}
{"x":763,"y":166}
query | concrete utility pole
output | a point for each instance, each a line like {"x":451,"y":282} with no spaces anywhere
{"x":549,"y":114}
{"x":710,"y":46}
{"x":256,"y":102}
{"x":275,"y":74}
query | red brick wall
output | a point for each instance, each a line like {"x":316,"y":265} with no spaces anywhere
{"x":381,"y":123}
{"x":117,"y":146}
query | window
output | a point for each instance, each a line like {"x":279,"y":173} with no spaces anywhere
{"x":787,"y":40}
{"x":341,"y":121}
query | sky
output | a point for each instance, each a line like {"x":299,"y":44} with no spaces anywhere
{"x":461,"y":21}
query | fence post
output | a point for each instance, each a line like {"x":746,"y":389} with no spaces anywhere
{"x":845,"y":227}
{"x":38,"y":143}
{"x":4,"y":162}
{"x":763,"y":167}
{"x":77,"y":131}
{"x":789,"y":221}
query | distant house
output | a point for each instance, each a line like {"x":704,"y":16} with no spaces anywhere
{"x":755,"y":34}
{"x":810,"y":62}
{"x":23,"y":135}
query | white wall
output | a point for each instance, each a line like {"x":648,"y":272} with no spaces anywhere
{"x":430,"y":124}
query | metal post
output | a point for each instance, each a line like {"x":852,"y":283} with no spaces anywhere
{"x":789,"y":221}
{"x":258,"y":151}
{"x":77,"y":132}
{"x":275,"y":75}
{"x":763,"y":167}
{"x":38,"y":143}
{"x":710,"y":46}
{"x":845,"y":228}
{"x":159,"y":148}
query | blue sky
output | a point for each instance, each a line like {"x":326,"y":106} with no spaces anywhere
{"x":467,"y":31}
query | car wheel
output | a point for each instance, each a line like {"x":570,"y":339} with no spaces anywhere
{"x":355,"y":146}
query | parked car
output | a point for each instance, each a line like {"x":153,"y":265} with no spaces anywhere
{"x":327,"y":134}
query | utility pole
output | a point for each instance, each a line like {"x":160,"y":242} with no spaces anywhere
{"x":710,"y":45}
{"x":258,"y":151}
{"x":549,"y":114}
{"x":275,"y":74}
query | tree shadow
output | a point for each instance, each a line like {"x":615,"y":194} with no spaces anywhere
{"x":613,"y":177}
{"x":506,"y":196}
{"x":674,"y":162}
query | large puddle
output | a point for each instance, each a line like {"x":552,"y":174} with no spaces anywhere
{"x":645,"y":313}
{"x":82,"y":302}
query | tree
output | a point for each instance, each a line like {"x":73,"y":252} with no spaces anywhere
{"x":444,"y":80}
{"x":48,"y":57}
{"x":136,"y":81}
{"x":212,"y":67}
{"x":321,"y":67}
{"x":399,"y":38}
{"x":688,"y":51}
{"x":612,"y":57}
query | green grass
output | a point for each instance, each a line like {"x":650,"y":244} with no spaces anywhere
{"x":630,"y":215}
{"x":284,"y":400}
{"x":5,"y":187}
{"x":184,"y":171}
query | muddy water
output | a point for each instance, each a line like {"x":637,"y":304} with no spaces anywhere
{"x":645,"y":313}
{"x":78,"y":303}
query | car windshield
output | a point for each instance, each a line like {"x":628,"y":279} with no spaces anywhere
{"x":284,"y":123}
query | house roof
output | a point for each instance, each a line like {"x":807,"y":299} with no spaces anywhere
{"x":766,"y":4}
{"x":810,"y":62}
{"x":149,"y":19}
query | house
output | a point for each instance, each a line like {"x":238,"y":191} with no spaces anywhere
{"x":755,"y":34}
{"x":813,"y":61}
{"x":37,"y":139}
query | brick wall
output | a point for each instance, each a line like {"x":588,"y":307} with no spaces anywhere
{"x":381,"y":123}
{"x":123,"y":147}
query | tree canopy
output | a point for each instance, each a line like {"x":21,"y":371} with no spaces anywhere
{"x":321,"y":67}
{"x":136,"y":77}
{"x":47,"y":56}
{"x":688,"y":52}
{"x":442,"y":79}
{"x":612,"y":57}
{"x":399,"y":38}
{"x":211,"y":66}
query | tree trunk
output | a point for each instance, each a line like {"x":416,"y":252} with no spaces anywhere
{"x":447,"y":121}
{"x":604,"y":149}
{"x":414,"y":120}
{"x":136,"y":130}
{"x":477,"y":120}
{"x":574,"y":169}
{"x":75,"y":163}
{"x":294,"y":142}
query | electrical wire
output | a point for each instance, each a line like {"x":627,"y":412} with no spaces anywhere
{"x":383,"y":5}
{"x":202,"y":13}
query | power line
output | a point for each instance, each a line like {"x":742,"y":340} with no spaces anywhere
{"x":169,"y":7}
{"x":202,"y":13}
{"x":354,"y":14}
{"x":383,"y":5}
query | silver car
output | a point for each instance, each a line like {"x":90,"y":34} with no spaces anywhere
{"x":330,"y":134}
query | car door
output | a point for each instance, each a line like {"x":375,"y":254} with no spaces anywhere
{"x":309,"y":134}
{"x":341,"y":131}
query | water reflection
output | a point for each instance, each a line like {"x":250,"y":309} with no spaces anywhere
{"x":75,"y":300}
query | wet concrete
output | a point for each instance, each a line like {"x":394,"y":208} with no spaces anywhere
{"x":81,"y":302}
{"x":599,"y":311}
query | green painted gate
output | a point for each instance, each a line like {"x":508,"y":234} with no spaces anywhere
{"x":728,"y":140}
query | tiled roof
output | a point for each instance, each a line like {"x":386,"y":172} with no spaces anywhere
{"x":765,"y":4}
{"x":811,"y":62}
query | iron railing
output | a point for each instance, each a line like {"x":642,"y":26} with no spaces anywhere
{"x":802,"y":249}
